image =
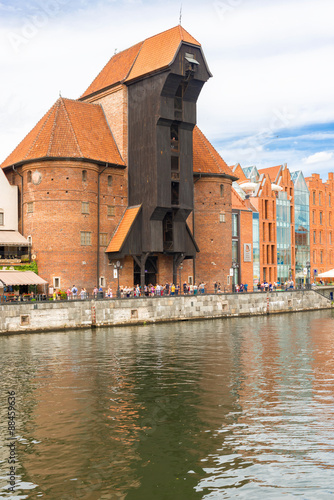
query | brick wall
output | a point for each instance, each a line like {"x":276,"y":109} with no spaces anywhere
{"x":213,"y":205}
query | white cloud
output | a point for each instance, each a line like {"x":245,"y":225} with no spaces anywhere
{"x":320,"y":157}
{"x":267,"y":58}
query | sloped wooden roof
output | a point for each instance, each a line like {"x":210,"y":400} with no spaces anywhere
{"x":206,"y":159}
{"x":122,"y":230}
{"x":153,"y":54}
{"x":70,"y":129}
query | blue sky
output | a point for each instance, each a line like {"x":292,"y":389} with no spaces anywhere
{"x":270,"y":100}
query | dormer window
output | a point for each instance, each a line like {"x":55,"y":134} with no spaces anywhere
{"x":191,"y":65}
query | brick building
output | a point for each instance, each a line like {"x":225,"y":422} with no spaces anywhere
{"x":119,"y":174}
{"x":321,"y":223}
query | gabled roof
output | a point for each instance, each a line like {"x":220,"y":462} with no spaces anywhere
{"x":123,"y":229}
{"x":153,"y":54}
{"x":237,"y":202}
{"x":273,"y":172}
{"x":206,"y":159}
{"x":70,"y":129}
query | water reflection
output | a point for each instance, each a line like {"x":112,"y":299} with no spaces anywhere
{"x":238,"y":408}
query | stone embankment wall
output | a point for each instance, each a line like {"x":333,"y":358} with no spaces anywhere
{"x":44,"y":316}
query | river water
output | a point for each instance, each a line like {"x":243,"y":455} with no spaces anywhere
{"x":238,"y":408}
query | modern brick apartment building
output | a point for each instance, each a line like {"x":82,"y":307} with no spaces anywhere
{"x":321,"y":223}
{"x":124,"y":175}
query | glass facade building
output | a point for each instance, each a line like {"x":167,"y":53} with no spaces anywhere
{"x":302,"y":224}
{"x":283,"y":222}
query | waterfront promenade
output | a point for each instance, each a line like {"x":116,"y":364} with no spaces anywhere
{"x":25,"y":317}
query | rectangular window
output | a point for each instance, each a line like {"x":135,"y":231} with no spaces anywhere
{"x":319,"y":198}
{"x":2,"y":221}
{"x":228,"y":280}
{"x":109,"y":180}
{"x":314,"y":237}
{"x":329,"y":200}
{"x":266,"y":209}
{"x":330,"y":238}
{"x":110,"y":210}
{"x":313,"y":217}
{"x":56,"y":282}
{"x":313,"y":194}
{"x":330,"y":218}
{"x":221,"y":217}
{"x":190,"y":280}
{"x":85,"y":207}
{"x":103,"y":239}
{"x":102,"y":281}
{"x":314,"y":260}
{"x":234,"y":224}
{"x":30,"y":207}
{"x":320,"y":237}
{"x":320,"y":256}
{"x":86,"y":238}
{"x":320,"y":217}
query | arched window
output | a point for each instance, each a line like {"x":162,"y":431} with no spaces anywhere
{"x":84,"y":175}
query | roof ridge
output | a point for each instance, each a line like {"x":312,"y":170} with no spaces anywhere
{"x":72,"y":128}
{"x":39,"y":133}
{"x":54,"y":126}
{"x":210,"y":152}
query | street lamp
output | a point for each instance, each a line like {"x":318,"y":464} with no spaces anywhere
{"x":118,"y":267}
{"x":235,"y":266}
{"x":308,"y":267}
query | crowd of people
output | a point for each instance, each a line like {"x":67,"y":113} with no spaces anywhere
{"x":150,"y":290}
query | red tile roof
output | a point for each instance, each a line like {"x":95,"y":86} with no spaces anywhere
{"x":205,"y":158}
{"x":123,"y":229}
{"x":271,"y":171}
{"x":70,"y":129}
{"x":237,"y":202}
{"x":153,"y":54}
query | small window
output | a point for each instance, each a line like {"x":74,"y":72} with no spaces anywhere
{"x":29,"y":238}
{"x":85,"y":207}
{"x":314,"y":260}
{"x":222,"y":190}
{"x":314,"y":237}
{"x":29,"y":176}
{"x":329,"y":200}
{"x":86,"y":238}
{"x":30,"y":207}
{"x":330,"y":238}
{"x":221,"y":217}
{"x":313,"y":217}
{"x":111,"y":210}
{"x":56,"y":282}
{"x":109,"y":180}
{"x":320,"y":218}
{"x":320,"y":233}
{"x":319,"y":198}
{"x":102,"y":281}
{"x":2,"y":218}
{"x":320,"y":256}
{"x":84,"y":175}
{"x":190,"y":280}
{"x":103,"y":239}
{"x":330,"y":218}
{"x":313,"y":197}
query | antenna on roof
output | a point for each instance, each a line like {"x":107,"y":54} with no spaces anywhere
{"x":180,"y":18}
{"x":115,"y":52}
{"x":59,"y":93}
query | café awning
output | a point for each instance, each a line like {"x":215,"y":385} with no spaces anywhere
{"x":327,"y":274}
{"x":12,"y":278}
{"x":13,"y":238}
